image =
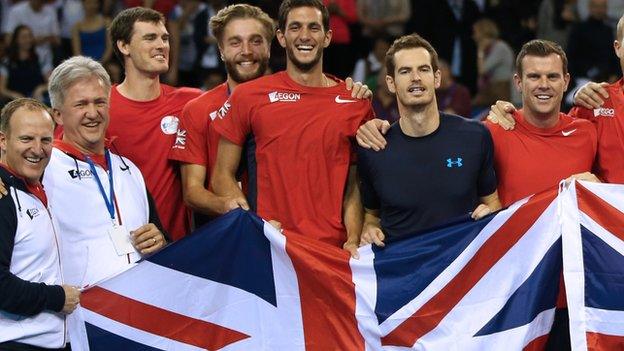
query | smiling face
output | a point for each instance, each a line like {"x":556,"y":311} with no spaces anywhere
{"x":244,"y":49}
{"x":27,"y":144}
{"x":304,"y":38}
{"x":84,"y":115}
{"x":542,"y":85}
{"x":148,"y":49}
{"x":414,"y":81}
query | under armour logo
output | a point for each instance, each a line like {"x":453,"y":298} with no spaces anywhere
{"x":457,"y":163}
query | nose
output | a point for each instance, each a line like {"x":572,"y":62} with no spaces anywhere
{"x":304,"y":33}
{"x":91,"y":110}
{"x":246,"y":48}
{"x":543,"y":82}
{"x":37,"y":147}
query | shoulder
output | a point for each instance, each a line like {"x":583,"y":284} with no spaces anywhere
{"x":461,"y":124}
{"x":183,"y":93}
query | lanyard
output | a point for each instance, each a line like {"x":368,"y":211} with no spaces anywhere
{"x":109,"y":202}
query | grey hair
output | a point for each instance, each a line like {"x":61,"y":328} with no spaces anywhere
{"x":72,"y":70}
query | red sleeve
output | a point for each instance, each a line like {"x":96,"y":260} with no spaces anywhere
{"x":581,"y":112}
{"x":190,"y":145}
{"x":233,"y":121}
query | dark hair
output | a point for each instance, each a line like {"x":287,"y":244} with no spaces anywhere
{"x":122,"y":26}
{"x":13,"y":49}
{"x":411,"y":41}
{"x":541,"y":48}
{"x":219,"y":21}
{"x":289,"y":5}
{"x":9,"y":110}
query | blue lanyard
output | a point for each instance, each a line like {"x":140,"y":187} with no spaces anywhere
{"x":109,"y":202}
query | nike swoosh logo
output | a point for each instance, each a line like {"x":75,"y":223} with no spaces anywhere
{"x":568,"y":132}
{"x":342,"y":101}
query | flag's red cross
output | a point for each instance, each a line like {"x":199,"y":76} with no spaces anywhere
{"x":158,"y":321}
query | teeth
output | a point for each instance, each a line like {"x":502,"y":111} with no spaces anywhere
{"x":304,"y":47}
{"x":91,"y":124}
{"x":543,"y":97}
{"x":246,"y":63}
{"x":414,"y":89}
{"x":33,"y":159}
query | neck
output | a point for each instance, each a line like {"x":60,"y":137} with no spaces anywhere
{"x":418,"y":121}
{"x":543,"y":121}
{"x":231,"y":83}
{"x":139,"y":86}
{"x":311,"y":78}
{"x":94,"y":149}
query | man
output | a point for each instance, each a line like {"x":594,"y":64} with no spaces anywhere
{"x":107,"y":219}
{"x":144,"y":112}
{"x":33,"y":298}
{"x":301,"y":121}
{"x":451,"y":157}
{"x":244,"y":34}
{"x":603,"y":105}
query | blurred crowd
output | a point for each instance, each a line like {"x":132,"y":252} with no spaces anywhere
{"x":477,"y":41}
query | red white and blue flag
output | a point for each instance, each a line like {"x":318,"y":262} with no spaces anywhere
{"x":238,"y":284}
{"x":593,"y":241}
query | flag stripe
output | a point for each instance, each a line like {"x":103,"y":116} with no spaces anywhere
{"x":329,"y":322}
{"x":150,"y":318}
{"x":601,"y":342}
{"x":430,"y":315}
{"x":601,"y":211}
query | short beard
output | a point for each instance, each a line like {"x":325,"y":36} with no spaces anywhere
{"x":303,"y":66}
{"x":230,"y":67}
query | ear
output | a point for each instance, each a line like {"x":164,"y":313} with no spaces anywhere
{"x":566,"y":79}
{"x":3,"y":141}
{"x":517,"y":82}
{"x":123,"y":47}
{"x":56,"y":115}
{"x":280,"y":38}
{"x":437,"y":79}
{"x":390,"y":84}
{"x":616,"y":46}
{"x":328,"y":37}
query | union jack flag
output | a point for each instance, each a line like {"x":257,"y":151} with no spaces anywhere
{"x":593,"y":239}
{"x":238,"y":284}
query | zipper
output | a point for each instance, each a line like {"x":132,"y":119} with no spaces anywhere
{"x":58,"y":253}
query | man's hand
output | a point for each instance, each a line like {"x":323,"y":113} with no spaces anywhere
{"x":481,"y":211}
{"x":3,"y":190}
{"x":147,"y":239}
{"x":72,"y":299}
{"x":586,"y":176}
{"x":352,"y":247}
{"x":372,"y":234}
{"x":591,"y":95}
{"x":358,"y":90}
{"x":230,"y":203}
{"x":501,"y":114}
{"x":370,"y":135}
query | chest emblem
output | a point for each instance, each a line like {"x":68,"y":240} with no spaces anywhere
{"x":457,"y":162}
{"x":169,"y":124}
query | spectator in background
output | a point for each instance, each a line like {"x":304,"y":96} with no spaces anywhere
{"x":384,"y":102}
{"x":383,"y":18}
{"x":554,"y":20}
{"x":366,"y":69}
{"x":89,"y":35}
{"x":183,"y":15}
{"x":495,"y":64}
{"x":452,"y":97}
{"x":71,"y":12}
{"x":42,"y":21}
{"x":209,"y":62}
{"x":339,"y":56}
{"x":590,"y":46}
{"x":452,"y":40}
{"x":21,"y":73}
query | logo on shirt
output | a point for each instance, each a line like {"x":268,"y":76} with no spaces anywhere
{"x":180,"y":142}
{"x":567,"y":132}
{"x":81,"y":173}
{"x":213,"y":115}
{"x":32,"y":212}
{"x":222,"y":111}
{"x":169,"y":124}
{"x":343,"y":101}
{"x":604,"y":112}
{"x":450,"y":163}
{"x":284,"y":97}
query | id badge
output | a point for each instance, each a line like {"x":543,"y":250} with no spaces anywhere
{"x":121,"y":240}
